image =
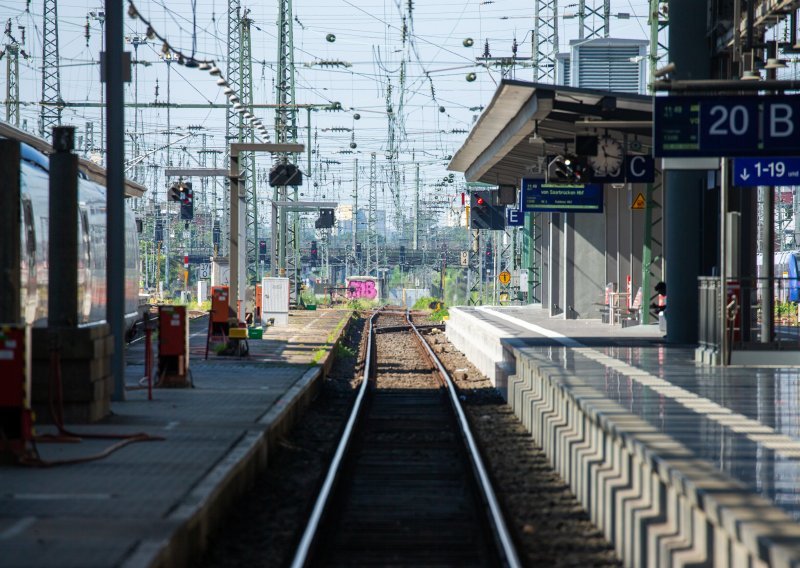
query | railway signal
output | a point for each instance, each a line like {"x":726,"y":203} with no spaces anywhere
{"x":326,"y":219}
{"x":568,"y":169}
{"x":484,"y":213}
{"x":187,"y":202}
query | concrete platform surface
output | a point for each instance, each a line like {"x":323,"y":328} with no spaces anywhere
{"x":649,"y":438}
{"x":153,"y":503}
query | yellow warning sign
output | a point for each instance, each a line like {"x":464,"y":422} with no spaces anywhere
{"x":504,"y":277}
{"x":639,"y":202}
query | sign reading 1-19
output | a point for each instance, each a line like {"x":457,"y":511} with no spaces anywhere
{"x":772,"y":169}
{"x":748,"y":172}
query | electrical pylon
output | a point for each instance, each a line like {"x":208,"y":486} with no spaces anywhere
{"x":544,"y":41}
{"x":286,"y":131}
{"x":51,"y":84}
{"x":658,"y":21}
{"x":594,"y":19}
{"x":233,"y":119}
{"x":372,"y":214}
{"x":12,"y":83}
{"x":247,"y":160}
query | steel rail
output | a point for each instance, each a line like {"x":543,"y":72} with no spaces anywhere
{"x":501,"y":529}
{"x":307,"y":541}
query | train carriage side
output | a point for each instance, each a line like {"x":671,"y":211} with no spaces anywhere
{"x":91,"y":247}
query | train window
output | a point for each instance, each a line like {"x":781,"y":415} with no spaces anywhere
{"x":86,"y":240}
{"x":30,"y":229}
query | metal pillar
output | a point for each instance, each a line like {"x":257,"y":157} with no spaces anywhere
{"x":10,"y":239}
{"x":115,"y":193}
{"x":474,"y":270}
{"x":647,"y":255}
{"x":355,"y":214}
{"x":766,"y":283}
{"x":415,"y":239}
{"x":372,"y":214}
{"x":247,"y":161}
{"x":286,"y":131}
{"x":12,"y":84}
{"x":233,"y":75}
{"x":236,"y":261}
{"x":594,"y":17}
{"x":392,"y":147}
{"x":50,"y":115}
{"x":658,"y":21}
{"x":62,"y":254}
{"x":683,"y":190}
{"x":724,"y":182}
{"x":544,"y":40}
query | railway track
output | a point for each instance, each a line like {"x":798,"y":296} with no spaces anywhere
{"x":406,"y":485}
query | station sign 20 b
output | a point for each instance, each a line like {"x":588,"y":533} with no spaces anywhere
{"x":696,"y":126}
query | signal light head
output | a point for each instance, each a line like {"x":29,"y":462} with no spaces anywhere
{"x":480,"y":201}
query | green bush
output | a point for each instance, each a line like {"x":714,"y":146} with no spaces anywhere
{"x":438,"y":315}
{"x":362,"y":305}
{"x":785,"y":309}
{"x":344,"y":352}
{"x":199,"y":306}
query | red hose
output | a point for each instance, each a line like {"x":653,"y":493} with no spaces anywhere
{"x":56,"y":406}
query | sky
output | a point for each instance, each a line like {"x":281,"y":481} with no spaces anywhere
{"x":437,"y":108}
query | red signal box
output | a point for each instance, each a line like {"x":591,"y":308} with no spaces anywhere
{"x":219,"y":304}
{"x":16,"y":418}
{"x":173,"y":347}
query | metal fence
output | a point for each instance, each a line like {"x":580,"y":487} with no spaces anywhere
{"x":745,"y":325}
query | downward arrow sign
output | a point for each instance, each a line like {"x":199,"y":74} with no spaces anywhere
{"x":744,"y":175}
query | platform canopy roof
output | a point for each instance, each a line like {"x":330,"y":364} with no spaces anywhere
{"x":93,"y":171}
{"x":525,"y":122}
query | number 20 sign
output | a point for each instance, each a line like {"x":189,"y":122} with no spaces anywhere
{"x":748,"y":125}
{"x":727,"y":126}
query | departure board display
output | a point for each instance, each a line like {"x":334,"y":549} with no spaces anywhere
{"x":560,"y":197}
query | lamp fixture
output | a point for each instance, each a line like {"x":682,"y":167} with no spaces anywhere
{"x":750,"y":76}
{"x":775,"y":63}
{"x":535,"y":138}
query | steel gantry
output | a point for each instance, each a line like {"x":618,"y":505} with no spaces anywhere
{"x":247,"y":159}
{"x":544,"y":41}
{"x":12,"y":83}
{"x":286,"y":132}
{"x":372,"y":214}
{"x":659,"y":21}
{"x":233,"y":119}
{"x":594,"y":19}
{"x":50,"y":115}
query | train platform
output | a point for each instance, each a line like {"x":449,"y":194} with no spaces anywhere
{"x":678,"y":463}
{"x":154,"y":503}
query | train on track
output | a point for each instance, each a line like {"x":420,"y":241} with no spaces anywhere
{"x":34,"y":184}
